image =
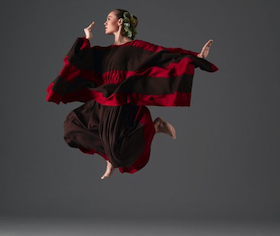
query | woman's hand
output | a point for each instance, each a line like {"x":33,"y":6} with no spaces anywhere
{"x":88,"y":31}
{"x":205,"y":50}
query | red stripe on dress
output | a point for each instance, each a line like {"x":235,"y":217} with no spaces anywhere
{"x":117,"y":99}
{"x":214,"y":68}
{"x":172,"y":70}
{"x":86,"y":43}
{"x":176,"y":99}
{"x":53,"y":96}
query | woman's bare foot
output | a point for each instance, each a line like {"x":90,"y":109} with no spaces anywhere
{"x":108,"y":171}
{"x":161,"y":126}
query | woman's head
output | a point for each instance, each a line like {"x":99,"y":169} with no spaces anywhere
{"x":121,"y":18}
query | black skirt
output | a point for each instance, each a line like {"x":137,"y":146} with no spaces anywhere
{"x":120,"y":134}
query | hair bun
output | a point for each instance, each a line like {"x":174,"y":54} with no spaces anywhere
{"x":134,"y":22}
{"x":129,"y":22}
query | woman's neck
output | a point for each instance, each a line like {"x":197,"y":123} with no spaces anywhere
{"x":121,"y":39}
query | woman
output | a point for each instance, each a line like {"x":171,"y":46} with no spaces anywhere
{"x":116,"y":83}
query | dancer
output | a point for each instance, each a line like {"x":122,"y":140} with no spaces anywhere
{"x":116,"y":83}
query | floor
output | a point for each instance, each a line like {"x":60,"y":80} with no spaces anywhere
{"x":122,"y":227}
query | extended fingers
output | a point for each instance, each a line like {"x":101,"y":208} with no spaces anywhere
{"x":90,"y":26}
{"x":208,"y":44}
{"x":104,"y":176}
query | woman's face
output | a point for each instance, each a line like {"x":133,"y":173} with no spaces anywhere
{"x":112,"y":24}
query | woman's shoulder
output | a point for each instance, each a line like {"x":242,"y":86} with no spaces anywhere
{"x":145,"y":45}
{"x":140,"y":41}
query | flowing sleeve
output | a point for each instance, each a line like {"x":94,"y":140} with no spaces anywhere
{"x":80,"y":71}
{"x":137,"y":72}
{"x":153,"y":75}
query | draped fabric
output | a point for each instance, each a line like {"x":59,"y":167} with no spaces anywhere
{"x":116,"y":83}
{"x":136,"y":72}
{"x":120,"y":134}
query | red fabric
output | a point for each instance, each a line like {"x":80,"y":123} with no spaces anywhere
{"x":176,"y":99}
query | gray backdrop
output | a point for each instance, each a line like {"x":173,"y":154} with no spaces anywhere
{"x":225,"y":160}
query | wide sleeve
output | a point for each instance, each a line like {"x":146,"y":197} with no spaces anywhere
{"x":151,"y":75}
{"x":80,"y":71}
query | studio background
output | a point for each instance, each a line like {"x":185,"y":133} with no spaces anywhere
{"x":225,"y":160}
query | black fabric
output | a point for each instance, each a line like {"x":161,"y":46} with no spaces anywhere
{"x":110,"y":130}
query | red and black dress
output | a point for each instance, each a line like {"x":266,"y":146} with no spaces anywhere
{"x":116,"y":83}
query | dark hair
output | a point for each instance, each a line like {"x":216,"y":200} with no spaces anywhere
{"x":119,"y":14}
